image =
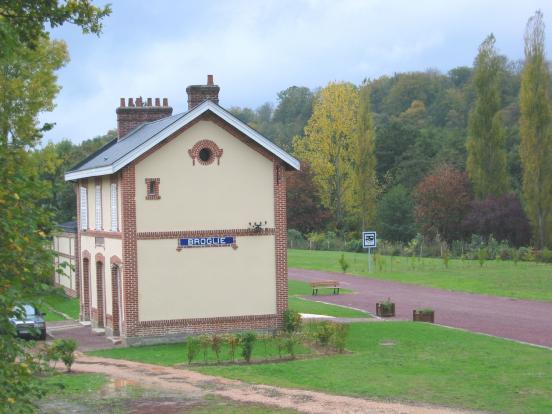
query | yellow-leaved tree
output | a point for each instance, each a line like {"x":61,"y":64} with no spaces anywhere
{"x":329,"y":147}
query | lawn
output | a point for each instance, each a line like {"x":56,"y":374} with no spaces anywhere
{"x":424,"y":363}
{"x":296,"y":288}
{"x":524,"y":280}
{"x":58,"y":301}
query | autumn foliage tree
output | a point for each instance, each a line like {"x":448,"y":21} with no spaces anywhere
{"x":304,"y":212}
{"x":329,"y":147}
{"x":442,"y":200}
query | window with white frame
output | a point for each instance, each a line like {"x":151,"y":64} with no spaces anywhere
{"x":84,"y":208}
{"x":98,"y":206}
{"x":114,"y":212}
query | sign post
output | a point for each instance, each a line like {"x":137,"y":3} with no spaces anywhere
{"x":369,"y":241}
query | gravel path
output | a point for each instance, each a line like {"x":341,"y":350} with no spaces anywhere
{"x":521,"y":320}
{"x":194,"y":384}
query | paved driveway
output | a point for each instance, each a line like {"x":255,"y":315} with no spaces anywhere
{"x":522,"y":320}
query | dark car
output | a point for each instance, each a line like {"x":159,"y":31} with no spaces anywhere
{"x":29,"y":322}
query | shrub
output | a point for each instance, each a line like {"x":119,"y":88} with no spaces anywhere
{"x":546,"y":256}
{"x":446,"y":258}
{"x":526,"y":254}
{"x":481,"y":256}
{"x":247,"y":340}
{"x":280,"y":343}
{"x":339,"y":338}
{"x":232,"y":341}
{"x":343,"y":263}
{"x":216,"y":344}
{"x":291,"y":340}
{"x":292,"y":321}
{"x":386,"y":305}
{"x":64,"y":349}
{"x":324,"y":332}
{"x":205,"y":343}
{"x":192,"y":347}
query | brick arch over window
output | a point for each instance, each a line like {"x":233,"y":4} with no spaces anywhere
{"x":216,"y":152}
{"x":115,"y":260}
{"x":86,"y":254}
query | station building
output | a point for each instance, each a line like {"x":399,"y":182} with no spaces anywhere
{"x":181,"y":223}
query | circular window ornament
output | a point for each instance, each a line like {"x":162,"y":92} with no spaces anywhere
{"x":205,"y":152}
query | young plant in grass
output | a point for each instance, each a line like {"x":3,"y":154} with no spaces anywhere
{"x":216,"y":345}
{"x":481,"y":256}
{"x":64,"y":350}
{"x":292,"y":321}
{"x":232,"y":340}
{"x":339,"y":338}
{"x":192,"y":346}
{"x":247,"y":341}
{"x":205,"y":343}
{"x":343,"y":263}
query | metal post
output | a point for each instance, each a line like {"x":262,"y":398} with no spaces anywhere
{"x":369,"y":260}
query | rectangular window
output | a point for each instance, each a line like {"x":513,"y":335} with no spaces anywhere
{"x":114,"y":212}
{"x":84,"y":208}
{"x":98,"y":206}
{"x":152,"y":188}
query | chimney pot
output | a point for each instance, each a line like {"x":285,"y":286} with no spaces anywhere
{"x":149,"y":102}
{"x":165,"y":102}
{"x":130,"y":102}
{"x":138,"y":111}
{"x":210,"y":80}
{"x":122,"y":104}
{"x":197,"y":94}
{"x":157,"y":102}
{"x":139,"y":102}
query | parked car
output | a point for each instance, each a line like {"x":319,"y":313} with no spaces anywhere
{"x":30,"y":322}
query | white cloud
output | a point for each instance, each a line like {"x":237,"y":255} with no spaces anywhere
{"x":256,"y":49}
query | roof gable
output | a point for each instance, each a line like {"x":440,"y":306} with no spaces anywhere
{"x":116,"y":155}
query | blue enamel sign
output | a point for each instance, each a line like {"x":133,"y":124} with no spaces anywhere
{"x":212,"y":241}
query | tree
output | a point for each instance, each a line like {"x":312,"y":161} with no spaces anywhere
{"x":291,"y":115}
{"x":22,"y":21}
{"x":304,"y":210}
{"x":502,"y":217}
{"x":328,"y":146}
{"x":396,"y":215}
{"x":28,"y":61}
{"x":364,"y":171}
{"x":487,"y":164}
{"x":536,"y":132}
{"x":442,"y":200}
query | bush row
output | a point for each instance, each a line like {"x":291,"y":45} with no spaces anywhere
{"x":471,"y":250}
{"x":325,"y":335}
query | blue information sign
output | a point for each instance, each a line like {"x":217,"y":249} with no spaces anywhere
{"x":211,"y":241}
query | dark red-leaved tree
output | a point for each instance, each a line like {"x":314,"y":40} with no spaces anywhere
{"x":502,"y":217}
{"x":442,"y":200}
{"x":304,"y":210}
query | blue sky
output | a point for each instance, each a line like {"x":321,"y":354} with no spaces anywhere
{"x":257,"y":48}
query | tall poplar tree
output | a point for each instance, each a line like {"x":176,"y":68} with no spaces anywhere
{"x":487,"y":158}
{"x":536,"y":131}
{"x":364,"y":169}
{"x":329,"y":145}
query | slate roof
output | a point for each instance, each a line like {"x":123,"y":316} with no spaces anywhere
{"x":117,"y":153}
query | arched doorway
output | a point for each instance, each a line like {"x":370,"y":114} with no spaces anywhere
{"x":116,"y":299}
{"x":100,"y":293}
{"x":86,"y":289}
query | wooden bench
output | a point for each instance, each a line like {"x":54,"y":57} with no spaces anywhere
{"x":325,"y":284}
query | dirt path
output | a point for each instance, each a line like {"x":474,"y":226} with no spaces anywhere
{"x":521,"y":320}
{"x":194,"y":384}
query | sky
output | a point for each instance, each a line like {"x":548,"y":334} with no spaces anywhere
{"x":257,"y":48}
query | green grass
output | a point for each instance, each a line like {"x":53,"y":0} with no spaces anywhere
{"x":296,"y":288}
{"x":428,"y":364}
{"x":64,"y":304}
{"x":73,"y":383}
{"x":526,"y":280}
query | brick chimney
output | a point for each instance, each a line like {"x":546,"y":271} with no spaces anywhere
{"x":132,"y":113}
{"x":200,"y":93}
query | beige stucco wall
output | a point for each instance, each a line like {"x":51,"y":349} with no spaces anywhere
{"x":226,"y":196}
{"x":112,"y":247}
{"x":65,"y":276}
{"x":206,"y":282}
